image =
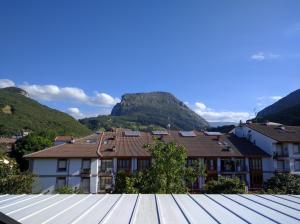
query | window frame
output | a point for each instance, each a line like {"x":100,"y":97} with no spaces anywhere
{"x":121,"y":162}
{"x":62,"y":169}
{"x":143,"y":164}
{"x":104,"y":168}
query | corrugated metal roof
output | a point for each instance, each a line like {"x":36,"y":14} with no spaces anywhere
{"x":152,"y":208}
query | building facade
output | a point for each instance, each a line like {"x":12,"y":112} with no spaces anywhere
{"x":91,"y":163}
{"x":279,"y":141}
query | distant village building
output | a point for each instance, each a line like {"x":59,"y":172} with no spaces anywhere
{"x":63,"y":139}
{"x":91,"y":163}
{"x":8,"y":144}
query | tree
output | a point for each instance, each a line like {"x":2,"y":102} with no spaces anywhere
{"x":28,"y":144}
{"x":168,"y":173}
{"x":12,"y":181}
{"x":283,"y":184}
{"x":168,"y":168}
{"x":225,"y":185}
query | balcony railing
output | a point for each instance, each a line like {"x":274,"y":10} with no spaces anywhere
{"x":85,"y":171}
{"x":234,"y":169}
{"x":280,"y":154}
{"x":107,"y":171}
{"x":282,"y":170}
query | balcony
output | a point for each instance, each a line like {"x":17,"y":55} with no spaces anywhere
{"x":280,"y":154}
{"x":106,"y":172}
{"x":282,"y":170}
{"x":85,"y":171}
{"x":232,"y":166}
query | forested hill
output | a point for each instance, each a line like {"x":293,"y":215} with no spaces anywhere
{"x":285,"y":111}
{"x":18,"y":112}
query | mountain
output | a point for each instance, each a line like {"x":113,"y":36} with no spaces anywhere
{"x":19,"y":112}
{"x":220,"y":124}
{"x":285,"y":111}
{"x":155,"y":108}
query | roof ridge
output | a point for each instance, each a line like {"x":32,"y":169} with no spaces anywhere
{"x":54,"y":146}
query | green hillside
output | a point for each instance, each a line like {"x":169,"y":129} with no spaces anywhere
{"x":285,"y":111}
{"x":19,"y":112}
{"x":148,"y":110}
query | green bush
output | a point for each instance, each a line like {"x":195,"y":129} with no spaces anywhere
{"x":12,"y":181}
{"x":69,"y":190}
{"x":282,"y":184}
{"x":225,"y":185}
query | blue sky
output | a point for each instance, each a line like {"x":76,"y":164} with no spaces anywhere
{"x":223,"y":58}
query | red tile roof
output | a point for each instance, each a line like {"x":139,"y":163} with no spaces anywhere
{"x":82,"y":148}
{"x":116,"y":144}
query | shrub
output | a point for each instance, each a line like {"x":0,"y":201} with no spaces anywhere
{"x":283,"y":184}
{"x":225,"y":185}
{"x":69,"y":190}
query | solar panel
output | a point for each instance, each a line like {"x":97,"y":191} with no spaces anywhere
{"x":160,"y":132}
{"x":132,"y":133}
{"x":187,"y":134}
{"x":208,"y":133}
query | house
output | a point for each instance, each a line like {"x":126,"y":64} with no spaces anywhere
{"x":74,"y":164}
{"x":8,"y":144}
{"x":91,"y":163}
{"x":280,"y":141}
{"x":63,"y":139}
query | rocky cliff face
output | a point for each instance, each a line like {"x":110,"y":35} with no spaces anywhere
{"x":159,"y":108}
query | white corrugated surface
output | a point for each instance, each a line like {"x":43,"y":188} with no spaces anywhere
{"x":116,"y":208}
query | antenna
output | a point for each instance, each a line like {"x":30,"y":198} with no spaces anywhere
{"x":169,"y":125}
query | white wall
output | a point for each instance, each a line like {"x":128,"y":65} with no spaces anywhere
{"x":46,"y":170}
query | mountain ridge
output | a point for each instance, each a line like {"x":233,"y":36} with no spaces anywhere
{"x":285,"y":111}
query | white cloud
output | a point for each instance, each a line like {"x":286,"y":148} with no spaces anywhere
{"x":6,"y":83}
{"x":200,"y":106}
{"x":75,"y":112}
{"x":220,"y":116}
{"x":55,"y":93}
{"x":261,"y":56}
{"x":105,"y":99}
{"x":265,"y":101}
{"x":72,"y":94}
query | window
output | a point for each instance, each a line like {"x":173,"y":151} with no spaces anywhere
{"x":105,"y":183}
{"x":296,"y":150}
{"x":240,"y":165}
{"x":86,"y":166}
{"x":85,"y":184}
{"x":256,"y":180}
{"x":143,"y":164}
{"x":191,"y":162}
{"x":282,"y":150}
{"x":61,"y":165}
{"x":124,"y":164}
{"x":211,"y":164}
{"x":106,"y":165}
{"x":227,"y":165}
{"x":282,"y":165}
{"x":297,"y":165}
{"x":60,"y":182}
{"x":255,"y":164}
